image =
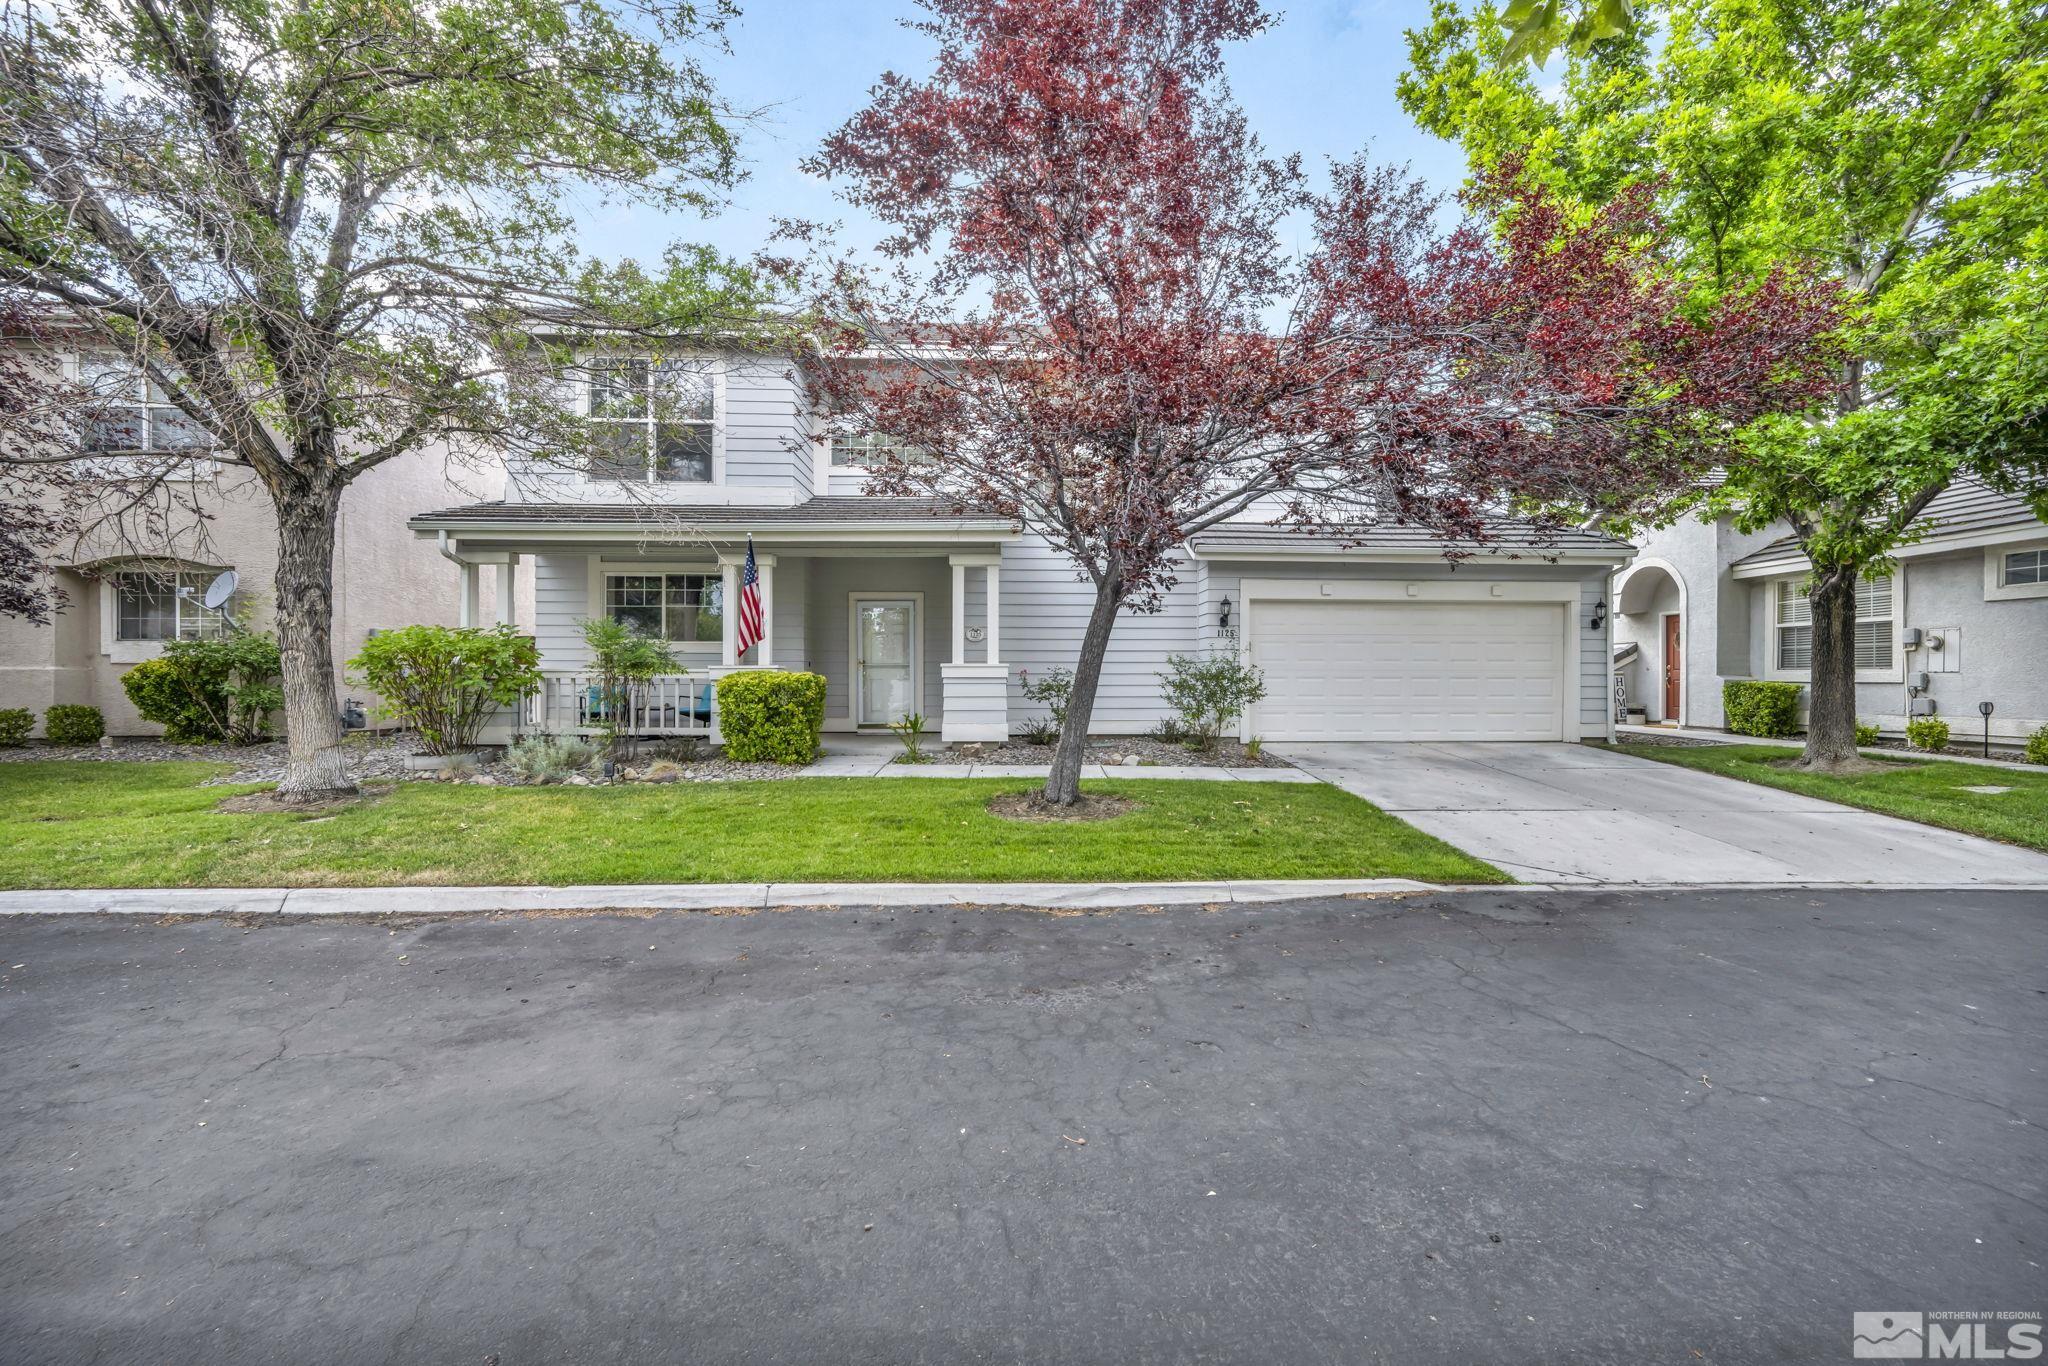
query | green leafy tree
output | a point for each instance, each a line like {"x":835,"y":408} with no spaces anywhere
{"x":335,"y":232}
{"x":446,"y":682}
{"x":1898,"y":145}
{"x":623,"y":660}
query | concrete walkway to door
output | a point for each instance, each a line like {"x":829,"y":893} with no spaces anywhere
{"x":1576,"y":813}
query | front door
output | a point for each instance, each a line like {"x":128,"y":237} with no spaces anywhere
{"x":884,"y":659}
{"x":1674,"y":666}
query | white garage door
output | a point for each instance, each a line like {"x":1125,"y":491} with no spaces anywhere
{"x":1409,"y":671}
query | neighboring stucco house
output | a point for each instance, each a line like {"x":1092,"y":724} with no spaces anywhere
{"x":1961,"y":619}
{"x":905,"y":607}
{"x":126,"y":594}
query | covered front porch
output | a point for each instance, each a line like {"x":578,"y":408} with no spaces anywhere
{"x":898,"y":618}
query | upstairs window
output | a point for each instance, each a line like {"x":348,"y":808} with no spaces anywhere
{"x":652,"y":421}
{"x":1793,"y":622}
{"x":133,"y":415}
{"x":872,"y":448}
{"x":678,"y":607}
{"x":160,"y":605}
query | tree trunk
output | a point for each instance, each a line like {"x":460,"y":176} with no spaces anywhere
{"x":1063,"y":784}
{"x":304,"y":586}
{"x":1831,"y":695}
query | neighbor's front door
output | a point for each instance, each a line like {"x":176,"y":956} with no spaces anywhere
{"x":1674,"y":667}
{"x":884,"y":659}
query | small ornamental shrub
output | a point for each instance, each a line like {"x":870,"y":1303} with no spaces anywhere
{"x":1757,"y":708}
{"x":911,"y":731}
{"x":549,"y":758}
{"x":221,"y":690}
{"x":1051,"y":691}
{"x":2037,"y":746}
{"x":68,"y":724}
{"x":1927,"y":732}
{"x":622,"y":660}
{"x":15,"y":724}
{"x":1209,"y":692}
{"x":771,"y":716}
{"x":1039,"y":730}
{"x":1866,"y":735}
{"x":447,"y":681}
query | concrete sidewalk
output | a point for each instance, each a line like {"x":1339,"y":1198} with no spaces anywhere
{"x":1722,"y":737}
{"x":863,"y":756}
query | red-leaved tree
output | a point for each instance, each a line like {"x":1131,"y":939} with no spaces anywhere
{"x":1093,"y":324}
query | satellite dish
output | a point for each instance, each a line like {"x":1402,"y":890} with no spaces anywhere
{"x":221,"y":589}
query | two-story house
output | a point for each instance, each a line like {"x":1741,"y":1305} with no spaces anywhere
{"x":904,"y":606}
{"x":1961,"y":618}
{"x":134,"y":584}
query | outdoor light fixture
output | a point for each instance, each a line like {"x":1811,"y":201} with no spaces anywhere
{"x":1984,"y":710}
{"x":1599,"y":614}
{"x":1223,"y":616}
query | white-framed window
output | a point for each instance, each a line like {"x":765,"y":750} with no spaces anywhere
{"x":133,"y":415}
{"x":2016,"y":571}
{"x":153,"y":604}
{"x":685,"y":608}
{"x":2022,"y":567}
{"x":871,"y":448}
{"x":654,"y":421}
{"x":1792,"y":625}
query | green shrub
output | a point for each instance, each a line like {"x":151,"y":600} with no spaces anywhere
{"x":622,"y":659}
{"x":770,"y":716}
{"x":68,"y":724}
{"x":446,"y":681}
{"x":209,"y":690}
{"x":2037,"y":746}
{"x":1050,"y":692}
{"x":1208,"y":692}
{"x":1866,"y":735}
{"x":549,"y":758}
{"x":1756,"y":708}
{"x":15,"y":724}
{"x":1927,"y":732}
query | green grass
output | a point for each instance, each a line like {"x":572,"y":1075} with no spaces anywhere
{"x":1929,"y":791}
{"x":149,"y":825}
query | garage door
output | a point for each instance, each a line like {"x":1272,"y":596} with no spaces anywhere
{"x":1409,"y":671}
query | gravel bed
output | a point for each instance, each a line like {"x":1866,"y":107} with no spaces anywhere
{"x":369,"y":756}
{"x":1116,"y":752}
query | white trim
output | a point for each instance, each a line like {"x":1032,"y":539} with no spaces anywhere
{"x":1616,"y":588}
{"x":853,"y":602}
{"x":1995,"y":587}
{"x":1562,"y":594}
{"x":1895,"y":674}
{"x":794,"y":536}
{"x":1620,"y":555}
{"x":2015,"y":535}
{"x":609,"y":569}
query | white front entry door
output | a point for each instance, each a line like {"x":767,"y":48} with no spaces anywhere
{"x":884,"y":660}
{"x":1351,"y":670}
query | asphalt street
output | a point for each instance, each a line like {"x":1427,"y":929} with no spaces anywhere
{"x":1487,"y":1127}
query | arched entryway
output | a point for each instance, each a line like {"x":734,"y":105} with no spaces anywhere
{"x":1650,"y":613}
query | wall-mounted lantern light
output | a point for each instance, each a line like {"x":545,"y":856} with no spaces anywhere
{"x":1599,"y":614}
{"x":1223,"y":615}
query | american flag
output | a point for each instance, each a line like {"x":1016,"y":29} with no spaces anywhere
{"x":750,"y":603}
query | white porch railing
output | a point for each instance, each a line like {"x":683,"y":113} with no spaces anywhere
{"x":671,"y":704}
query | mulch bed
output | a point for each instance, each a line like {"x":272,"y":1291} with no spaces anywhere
{"x":1030,"y":806}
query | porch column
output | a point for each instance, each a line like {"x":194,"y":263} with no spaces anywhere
{"x":730,"y":570}
{"x":471,"y":596}
{"x":765,"y":651}
{"x":508,"y":591}
{"x":994,"y":654}
{"x":959,"y":611}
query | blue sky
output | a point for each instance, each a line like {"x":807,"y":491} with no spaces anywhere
{"x":1321,"y":83}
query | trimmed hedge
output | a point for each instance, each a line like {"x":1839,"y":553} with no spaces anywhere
{"x":17,"y":722}
{"x":770,"y":716}
{"x":2037,"y":746}
{"x":70,"y":724}
{"x":209,"y":691}
{"x":1770,"y":710}
{"x":1927,"y":732}
{"x":1866,"y":734}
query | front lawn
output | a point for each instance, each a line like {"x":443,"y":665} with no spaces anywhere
{"x":150,"y":825}
{"x":1929,"y":791}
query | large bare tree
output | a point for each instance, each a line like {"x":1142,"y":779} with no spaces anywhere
{"x":336,"y":232}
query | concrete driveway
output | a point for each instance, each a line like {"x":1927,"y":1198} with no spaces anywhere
{"x":1576,"y":813}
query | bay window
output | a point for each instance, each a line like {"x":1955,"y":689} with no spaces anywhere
{"x":1792,"y":625}
{"x":652,"y":421}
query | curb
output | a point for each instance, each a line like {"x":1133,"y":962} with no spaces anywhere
{"x":679,"y":897}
